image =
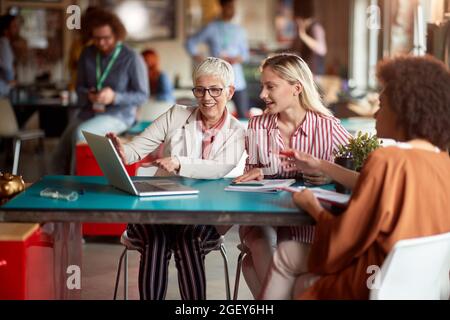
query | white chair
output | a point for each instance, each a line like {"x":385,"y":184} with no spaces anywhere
{"x":152,"y":109}
{"x":415,"y":269}
{"x":129,"y":246}
{"x":239,"y":169}
{"x":9,"y":129}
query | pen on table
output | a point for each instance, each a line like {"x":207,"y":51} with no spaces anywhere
{"x":247,"y":184}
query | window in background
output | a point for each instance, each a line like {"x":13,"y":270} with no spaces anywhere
{"x":147,"y":19}
{"x":39,"y":48}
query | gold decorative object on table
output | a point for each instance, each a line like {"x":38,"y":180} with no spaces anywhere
{"x":10,"y":185}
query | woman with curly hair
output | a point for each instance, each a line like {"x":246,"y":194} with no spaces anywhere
{"x":401,"y":193}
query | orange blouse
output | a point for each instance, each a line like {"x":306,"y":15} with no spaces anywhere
{"x":401,"y":194}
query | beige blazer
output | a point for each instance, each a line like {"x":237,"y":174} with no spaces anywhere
{"x":177,"y":130}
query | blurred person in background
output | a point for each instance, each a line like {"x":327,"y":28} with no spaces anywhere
{"x":310,"y":41}
{"x":228,"y":41}
{"x":112,"y":83}
{"x":9,"y":28}
{"x":161,"y":87}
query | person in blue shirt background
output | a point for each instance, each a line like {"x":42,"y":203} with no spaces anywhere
{"x":228,"y":41}
{"x":161,"y":87}
{"x":9,"y":27}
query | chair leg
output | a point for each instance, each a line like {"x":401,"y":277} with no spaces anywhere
{"x":17,"y":143}
{"x":118,"y":273}
{"x":238,"y":274}
{"x":227,"y":276}
{"x":125,"y":277}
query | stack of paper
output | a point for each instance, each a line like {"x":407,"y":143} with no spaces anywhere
{"x":332,"y":197}
{"x":329,"y":196}
{"x":267,"y":185}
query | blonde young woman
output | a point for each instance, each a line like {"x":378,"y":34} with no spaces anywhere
{"x":295,"y":118}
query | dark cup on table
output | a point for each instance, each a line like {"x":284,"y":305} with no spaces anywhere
{"x":346,"y":162}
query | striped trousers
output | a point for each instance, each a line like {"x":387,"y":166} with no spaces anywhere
{"x":189,"y":244}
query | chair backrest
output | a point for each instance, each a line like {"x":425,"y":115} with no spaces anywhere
{"x":152,"y":109}
{"x":415,"y":269}
{"x":8,"y":121}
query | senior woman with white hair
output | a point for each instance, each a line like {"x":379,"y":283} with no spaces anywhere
{"x":203,"y":142}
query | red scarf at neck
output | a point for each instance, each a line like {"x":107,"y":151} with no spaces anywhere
{"x":210,"y":134}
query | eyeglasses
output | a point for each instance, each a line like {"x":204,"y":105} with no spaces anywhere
{"x":106,"y":38}
{"x":199,"y":92}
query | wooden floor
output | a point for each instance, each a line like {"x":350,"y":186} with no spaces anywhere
{"x":100,"y":260}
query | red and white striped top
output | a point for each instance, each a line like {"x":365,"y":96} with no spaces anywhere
{"x":318,"y":135}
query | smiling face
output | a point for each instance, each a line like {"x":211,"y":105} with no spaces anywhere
{"x":277,"y":93}
{"x":212,"y":108}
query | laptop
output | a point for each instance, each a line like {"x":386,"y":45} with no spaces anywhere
{"x":114,"y":170}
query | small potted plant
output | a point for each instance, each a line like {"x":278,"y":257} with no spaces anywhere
{"x":353,"y":155}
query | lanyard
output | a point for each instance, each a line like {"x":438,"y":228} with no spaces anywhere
{"x":226,"y":37}
{"x":102,"y":76}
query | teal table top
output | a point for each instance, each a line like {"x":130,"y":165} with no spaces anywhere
{"x":138,"y":127}
{"x":100,"y":202}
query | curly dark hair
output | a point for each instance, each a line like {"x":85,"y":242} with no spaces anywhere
{"x":101,"y":17}
{"x":418,"y":91}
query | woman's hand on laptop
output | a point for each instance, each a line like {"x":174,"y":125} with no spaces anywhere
{"x":118,"y":145}
{"x":170,"y":164}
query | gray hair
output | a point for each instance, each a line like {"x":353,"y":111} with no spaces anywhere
{"x":215,"y":67}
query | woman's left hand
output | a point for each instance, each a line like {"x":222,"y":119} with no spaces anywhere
{"x":307,"y":201}
{"x":170,"y":164}
{"x":316,"y":179}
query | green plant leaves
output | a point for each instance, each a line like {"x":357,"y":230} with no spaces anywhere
{"x":358,"y":148}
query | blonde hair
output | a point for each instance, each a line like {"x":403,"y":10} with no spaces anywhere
{"x":215,"y":67}
{"x":293,"y":69}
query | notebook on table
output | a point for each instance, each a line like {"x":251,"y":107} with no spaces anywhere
{"x":266,"y":185}
{"x":331,"y":197}
{"x":114,"y":170}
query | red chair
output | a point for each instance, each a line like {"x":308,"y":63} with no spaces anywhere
{"x":86,"y":165}
{"x":26,"y":263}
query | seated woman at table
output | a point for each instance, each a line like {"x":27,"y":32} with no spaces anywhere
{"x":203,"y":142}
{"x":401,"y":193}
{"x":294,"y":118}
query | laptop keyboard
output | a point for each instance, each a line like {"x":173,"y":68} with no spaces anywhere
{"x":146,"y":187}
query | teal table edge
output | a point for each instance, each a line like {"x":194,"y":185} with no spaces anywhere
{"x":100,"y":202}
